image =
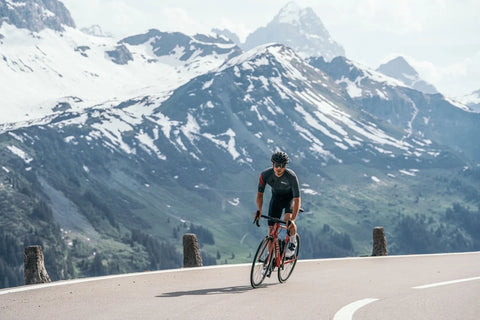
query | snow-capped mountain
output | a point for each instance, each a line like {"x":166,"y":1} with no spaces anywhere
{"x":400,"y":69}
{"x":44,"y":69}
{"x":238,"y":105}
{"x":235,"y":113}
{"x":35,"y":15}
{"x":300,"y":29}
{"x":259,"y":100}
{"x":433,"y":117}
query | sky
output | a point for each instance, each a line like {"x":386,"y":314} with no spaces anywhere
{"x":439,"y":38}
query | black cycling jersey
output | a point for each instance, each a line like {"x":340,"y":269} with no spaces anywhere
{"x":284,"y":189}
{"x":286,"y":185}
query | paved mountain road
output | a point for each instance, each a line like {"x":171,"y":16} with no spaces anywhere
{"x":395,"y":287}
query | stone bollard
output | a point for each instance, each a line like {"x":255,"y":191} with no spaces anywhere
{"x":379,"y":242}
{"x":191,"y":252}
{"x":34,"y":265}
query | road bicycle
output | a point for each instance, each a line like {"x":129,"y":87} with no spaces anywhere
{"x":271,"y":254}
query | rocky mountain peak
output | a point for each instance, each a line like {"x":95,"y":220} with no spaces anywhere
{"x":95,"y":30}
{"x":398,"y":68}
{"x":299,"y":28}
{"x":293,"y":14}
{"x":35,"y":15}
{"x":397,"y":65}
{"x":227,"y":33}
{"x":289,"y":13}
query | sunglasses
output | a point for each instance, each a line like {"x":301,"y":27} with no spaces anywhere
{"x":279,"y":165}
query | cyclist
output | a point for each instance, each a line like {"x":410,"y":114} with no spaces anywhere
{"x":285,"y":195}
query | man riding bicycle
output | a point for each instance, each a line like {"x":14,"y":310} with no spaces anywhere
{"x":285,"y":195}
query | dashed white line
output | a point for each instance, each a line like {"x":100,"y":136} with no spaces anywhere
{"x":346,"y":313}
{"x":438,"y":284}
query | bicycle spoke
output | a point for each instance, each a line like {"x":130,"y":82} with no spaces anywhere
{"x":288,"y":265}
{"x":261,"y":263}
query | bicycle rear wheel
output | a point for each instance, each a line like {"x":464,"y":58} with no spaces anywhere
{"x":288,"y":264}
{"x":261,"y":263}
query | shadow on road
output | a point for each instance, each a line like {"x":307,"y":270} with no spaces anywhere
{"x":207,"y":291}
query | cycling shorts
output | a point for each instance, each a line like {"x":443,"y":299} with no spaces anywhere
{"x":277,"y":205}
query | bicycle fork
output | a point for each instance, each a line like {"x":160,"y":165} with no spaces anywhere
{"x":269,"y":261}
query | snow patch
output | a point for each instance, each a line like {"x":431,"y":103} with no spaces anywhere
{"x":310,"y":191}
{"x":234,"y":202}
{"x":410,"y":172}
{"x":353,"y":90}
{"x":20,"y":153}
{"x":229,"y":145}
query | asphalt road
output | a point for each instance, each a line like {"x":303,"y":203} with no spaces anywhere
{"x":395,"y":287}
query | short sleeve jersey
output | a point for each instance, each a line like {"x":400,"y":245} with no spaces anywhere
{"x":286,"y":185}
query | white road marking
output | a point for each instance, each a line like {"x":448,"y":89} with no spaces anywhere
{"x":346,"y":313}
{"x":438,"y":284}
{"x":81,"y":280}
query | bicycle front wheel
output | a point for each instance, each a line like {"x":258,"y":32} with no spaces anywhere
{"x":288,"y":264}
{"x":261,"y":263}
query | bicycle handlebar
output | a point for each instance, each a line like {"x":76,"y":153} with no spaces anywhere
{"x":271,"y":218}
{"x":268,"y":218}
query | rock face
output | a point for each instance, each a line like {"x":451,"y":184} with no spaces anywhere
{"x":35,"y":15}
{"x":35,"y":271}
{"x":121,"y":55}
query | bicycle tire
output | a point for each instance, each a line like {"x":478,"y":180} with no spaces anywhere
{"x":287,"y":266}
{"x":261,"y":263}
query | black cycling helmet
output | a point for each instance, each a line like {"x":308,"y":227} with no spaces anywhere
{"x":280,"y":157}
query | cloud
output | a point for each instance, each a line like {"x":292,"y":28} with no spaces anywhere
{"x":179,"y":17}
{"x":114,"y":16}
{"x":454,"y":80}
{"x":124,"y":15}
{"x":240,"y":29}
{"x":397,"y":17}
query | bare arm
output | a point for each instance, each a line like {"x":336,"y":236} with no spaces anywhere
{"x":296,"y":207}
{"x":259,"y":201}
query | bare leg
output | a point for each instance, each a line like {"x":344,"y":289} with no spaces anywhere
{"x":270,"y":230}
{"x":292,"y":229}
